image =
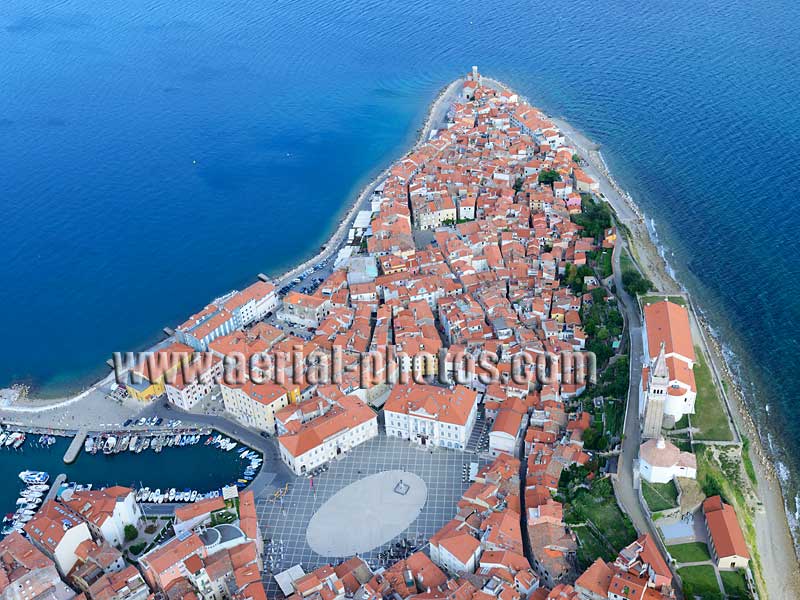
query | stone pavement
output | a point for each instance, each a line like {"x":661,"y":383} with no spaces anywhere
{"x":285,"y":522}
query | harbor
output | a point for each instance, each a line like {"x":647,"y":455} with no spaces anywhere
{"x":166,"y":465}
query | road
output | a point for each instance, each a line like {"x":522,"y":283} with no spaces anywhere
{"x":627,"y":495}
{"x":273,"y":473}
{"x":631,"y":439}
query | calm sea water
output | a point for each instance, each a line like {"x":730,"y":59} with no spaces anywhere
{"x":202,"y":468}
{"x":155,"y":154}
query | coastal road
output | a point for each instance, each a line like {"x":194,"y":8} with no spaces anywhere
{"x":627,"y":495}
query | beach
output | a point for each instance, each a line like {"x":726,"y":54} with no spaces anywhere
{"x":774,"y":541}
{"x":39,"y":409}
{"x":436,"y":113}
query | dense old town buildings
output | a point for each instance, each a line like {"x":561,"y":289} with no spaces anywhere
{"x":467,"y":262}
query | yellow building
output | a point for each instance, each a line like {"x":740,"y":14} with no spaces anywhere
{"x":255,"y":404}
{"x":147,"y":380}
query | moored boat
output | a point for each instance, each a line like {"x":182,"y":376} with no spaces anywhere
{"x":108,"y":447}
{"x":34,"y":477}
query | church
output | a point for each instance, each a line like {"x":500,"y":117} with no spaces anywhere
{"x":668,"y":389}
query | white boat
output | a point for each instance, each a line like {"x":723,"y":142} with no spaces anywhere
{"x":39,"y":487}
{"x":3,"y":437}
{"x":31,"y":494}
{"x":108,"y":447}
{"x":193,"y":496}
{"x":34,"y":477}
{"x":132,"y":444}
{"x":88,"y":445}
{"x":12,"y":437}
{"x":19,"y":441}
{"x":171,"y":494}
{"x":142,"y":494}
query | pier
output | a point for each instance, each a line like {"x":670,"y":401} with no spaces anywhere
{"x":54,"y":486}
{"x":75,"y":447}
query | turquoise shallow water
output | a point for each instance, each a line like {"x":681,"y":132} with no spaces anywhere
{"x":156,"y":154}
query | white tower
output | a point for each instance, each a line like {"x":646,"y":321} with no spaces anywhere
{"x":657,"y":385}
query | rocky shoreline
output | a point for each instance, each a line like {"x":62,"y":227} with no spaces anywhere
{"x":775,"y":543}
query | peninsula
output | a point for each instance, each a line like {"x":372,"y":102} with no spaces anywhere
{"x":486,"y":384}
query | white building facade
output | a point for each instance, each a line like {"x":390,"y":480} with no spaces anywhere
{"x":431,"y":416}
{"x":660,"y":461}
{"x":348,"y":424}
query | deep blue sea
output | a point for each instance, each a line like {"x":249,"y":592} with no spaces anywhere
{"x":154,"y":154}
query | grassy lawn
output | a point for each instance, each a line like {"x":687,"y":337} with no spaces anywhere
{"x":700,"y":581}
{"x":735,"y":584}
{"x":680,"y":300}
{"x":590,"y":547}
{"x":600,"y":507}
{"x":710,"y":415}
{"x":626,"y":262}
{"x":683,"y":423}
{"x":660,"y":496}
{"x":222,"y":517}
{"x":691,"y":552}
{"x":681,"y":442}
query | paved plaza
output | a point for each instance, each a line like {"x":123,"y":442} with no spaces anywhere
{"x":346,"y":525}
{"x":285,"y":522}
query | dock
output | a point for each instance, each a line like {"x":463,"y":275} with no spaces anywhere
{"x":75,"y":447}
{"x":51,"y":494}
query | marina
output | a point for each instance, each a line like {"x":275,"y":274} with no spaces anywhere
{"x":167,"y":465}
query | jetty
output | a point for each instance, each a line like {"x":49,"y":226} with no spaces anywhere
{"x":75,"y":446}
{"x":54,"y":487}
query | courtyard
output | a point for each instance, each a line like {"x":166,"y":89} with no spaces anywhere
{"x":435,"y":481}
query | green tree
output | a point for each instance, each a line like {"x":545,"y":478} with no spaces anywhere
{"x":131,"y":533}
{"x":635,"y":284}
{"x":137,"y":548}
{"x":548,"y":176}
